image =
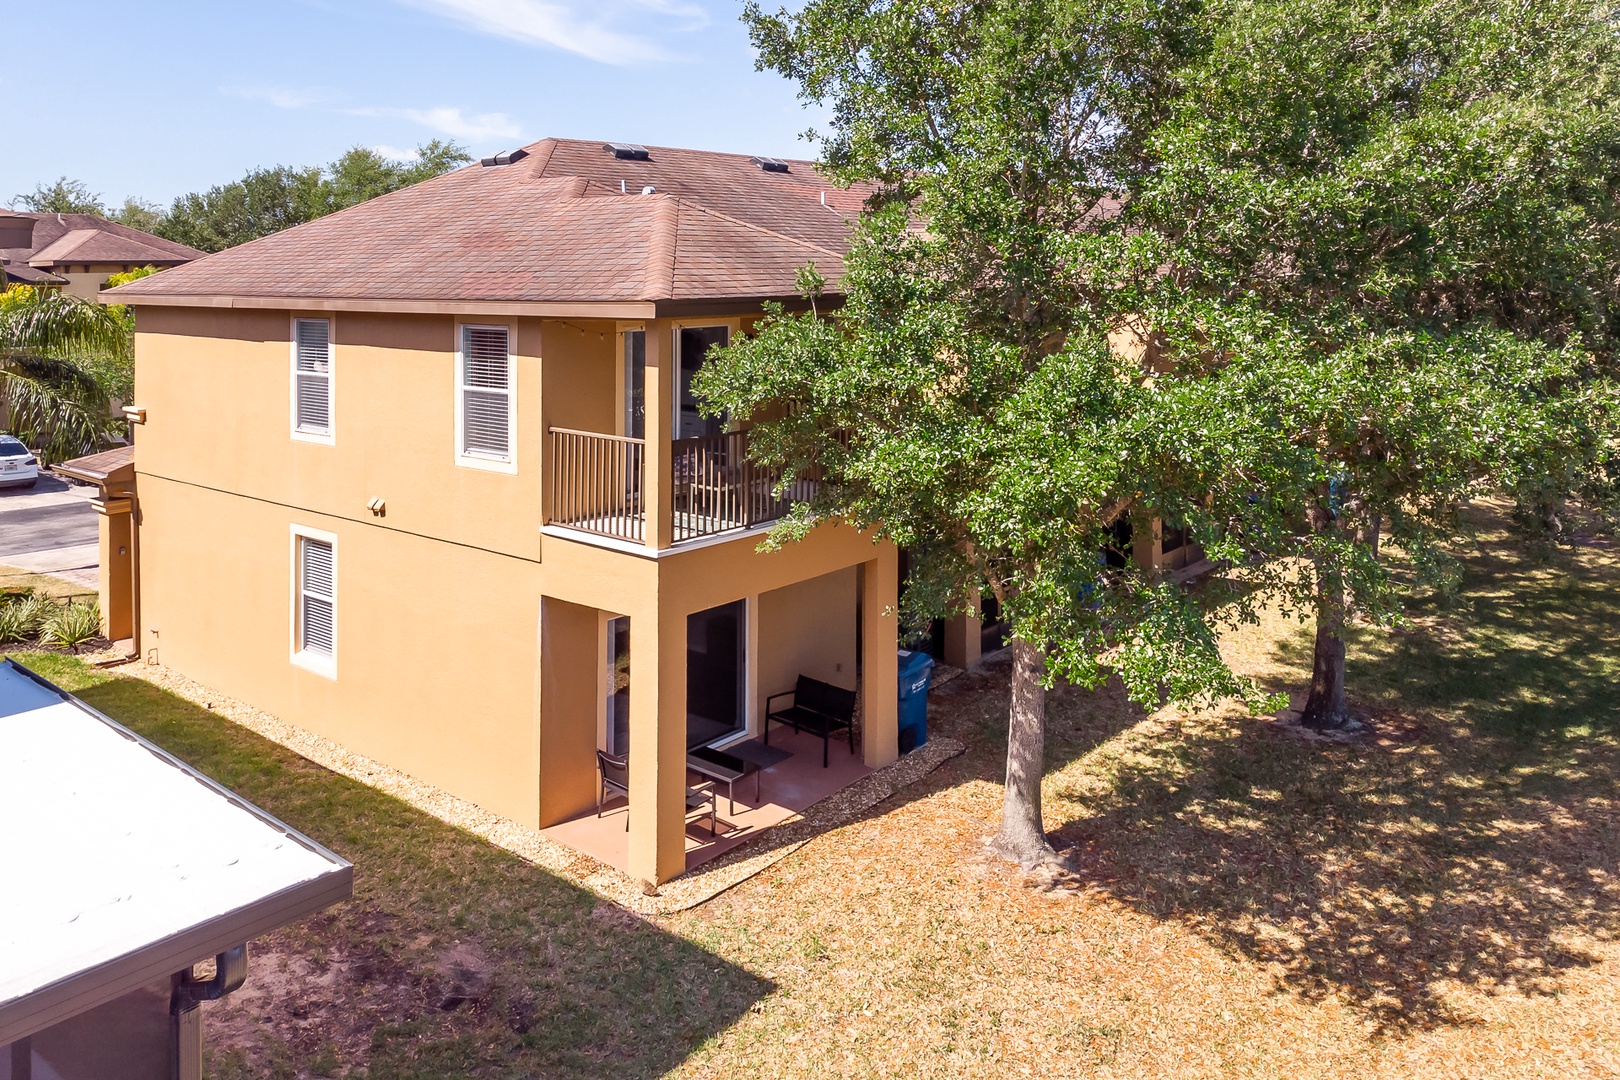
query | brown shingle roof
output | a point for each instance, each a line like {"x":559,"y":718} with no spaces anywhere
{"x":29,"y":275}
{"x":50,"y":229}
{"x":100,"y":246}
{"x":115,"y":465}
{"x":567,"y":223}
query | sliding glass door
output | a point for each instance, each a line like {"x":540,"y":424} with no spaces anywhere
{"x":716,"y":673}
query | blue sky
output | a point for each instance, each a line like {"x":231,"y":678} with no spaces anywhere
{"x":154,"y":98}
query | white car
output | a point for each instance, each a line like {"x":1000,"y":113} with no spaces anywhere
{"x":18,"y":468}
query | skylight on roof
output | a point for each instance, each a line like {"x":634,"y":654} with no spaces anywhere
{"x":769,"y":164}
{"x":626,"y":151}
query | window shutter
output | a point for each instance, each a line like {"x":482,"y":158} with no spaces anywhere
{"x":486,"y":392}
{"x":318,"y":609}
{"x":313,"y":376}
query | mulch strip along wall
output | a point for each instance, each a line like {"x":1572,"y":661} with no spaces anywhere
{"x":687,"y":891}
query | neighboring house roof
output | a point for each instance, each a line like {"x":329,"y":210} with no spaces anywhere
{"x":60,"y":239}
{"x":30,"y":275}
{"x":99,"y":246}
{"x":116,"y":466}
{"x":565,"y":222}
{"x":136,"y":864}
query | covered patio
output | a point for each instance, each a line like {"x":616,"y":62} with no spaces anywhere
{"x":763,"y":799}
{"x":669,"y":660}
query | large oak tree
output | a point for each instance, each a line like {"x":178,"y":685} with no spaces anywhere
{"x":1267,"y":269}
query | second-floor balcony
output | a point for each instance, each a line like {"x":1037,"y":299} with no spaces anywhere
{"x":598,"y":484}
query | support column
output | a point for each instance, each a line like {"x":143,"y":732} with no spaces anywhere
{"x":964,"y":637}
{"x":662,"y":372}
{"x":657,"y":743}
{"x":1145,"y":549}
{"x":114,"y":528}
{"x":880,"y":676}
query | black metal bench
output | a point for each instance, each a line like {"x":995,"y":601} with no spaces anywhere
{"x":819,"y":708}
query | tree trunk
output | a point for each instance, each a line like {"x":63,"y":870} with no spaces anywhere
{"x":1325,"y":708}
{"x":1022,"y":838}
{"x":1373,"y":533}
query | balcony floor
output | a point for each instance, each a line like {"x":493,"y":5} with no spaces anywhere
{"x":632,"y":530}
{"x":785,"y":790}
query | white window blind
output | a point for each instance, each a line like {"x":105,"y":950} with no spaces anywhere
{"x":317,"y":599}
{"x":312,"y":377}
{"x":486,"y":392}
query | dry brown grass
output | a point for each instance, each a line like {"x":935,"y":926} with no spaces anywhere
{"x":44,"y":584}
{"x":1438,"y":900}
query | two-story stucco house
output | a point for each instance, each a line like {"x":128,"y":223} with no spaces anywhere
{"x":427,"y":477}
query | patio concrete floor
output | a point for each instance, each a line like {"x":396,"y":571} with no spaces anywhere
{"x":785,"y":790}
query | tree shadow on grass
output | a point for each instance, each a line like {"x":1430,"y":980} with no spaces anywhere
{"x":454,"y":958}
{"x":1467,"y":847}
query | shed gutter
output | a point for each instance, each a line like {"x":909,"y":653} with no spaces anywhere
{"x":98,"y":985}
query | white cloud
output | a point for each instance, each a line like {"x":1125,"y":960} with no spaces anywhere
{"x":396,"y":153}
{"x":453,"y":122}
{"x":280,"y":96}
{"x":444,"y":119}
{"x":562,"y":26}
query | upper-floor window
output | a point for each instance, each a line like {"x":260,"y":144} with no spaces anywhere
{"x":485,"y":405}
{"x":312,"y":378}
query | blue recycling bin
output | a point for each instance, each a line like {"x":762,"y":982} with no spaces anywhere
{"x":916,"y":671}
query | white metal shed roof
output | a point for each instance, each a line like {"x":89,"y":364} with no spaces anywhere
{"x":122,"y":863}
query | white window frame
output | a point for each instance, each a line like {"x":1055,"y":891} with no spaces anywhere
{"x":480,"y":461}
{"x":319,"y":663}
{"x":329,"y":436}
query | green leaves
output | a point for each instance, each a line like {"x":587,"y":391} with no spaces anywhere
{"x":1297,"y":274}
{"x":61,"y":361}
{"x":269,"y":200}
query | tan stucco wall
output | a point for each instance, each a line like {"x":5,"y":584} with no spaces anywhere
{"x":572,"y":683}
{"x":436,"y":642}
{"x":807,"y":629}
{"x":581,"y":375}
{"x":393,"y":405}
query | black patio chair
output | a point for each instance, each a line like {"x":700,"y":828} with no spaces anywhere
{"x":818,"y":708}
{"x":615,"y":771}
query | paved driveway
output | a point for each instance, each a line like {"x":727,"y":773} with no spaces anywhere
{"x":50,"y":529}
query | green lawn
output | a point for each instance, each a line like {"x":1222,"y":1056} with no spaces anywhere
{"x":1442,"y":899}
{"x":575,"y":988}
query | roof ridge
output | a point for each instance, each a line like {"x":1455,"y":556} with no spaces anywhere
{"x":542,"y":158}
{"x":688,"y":150}
{"x":661,"y":248}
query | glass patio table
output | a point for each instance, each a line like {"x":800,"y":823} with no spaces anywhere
{"x":735,"y":762}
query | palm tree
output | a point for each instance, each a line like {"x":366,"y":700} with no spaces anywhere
{"x":62,"y":361}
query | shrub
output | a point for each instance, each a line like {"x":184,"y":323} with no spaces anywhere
{"x":12,"y":626}
{"x":71,"y":623}
{"x":23,"y":620}
{"x":12,"y":594}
